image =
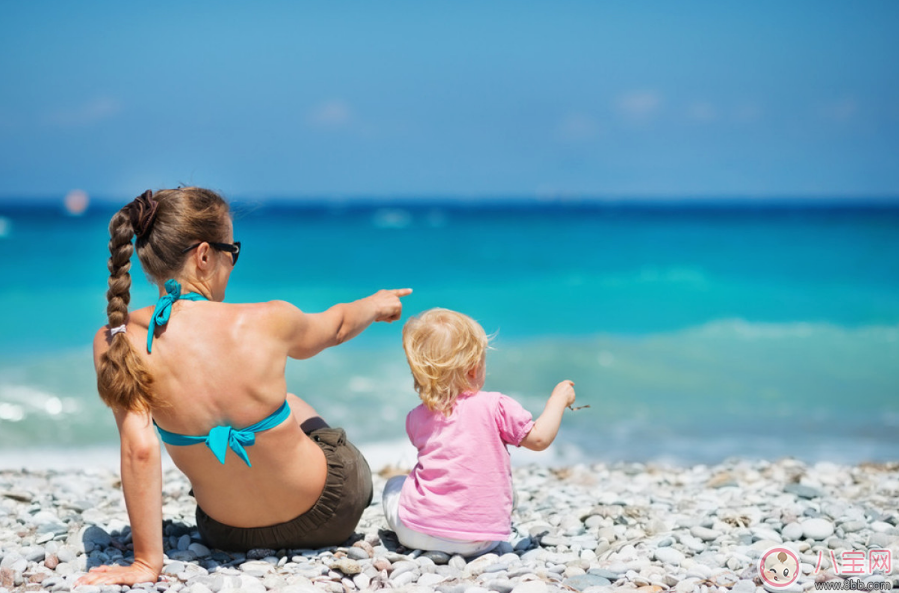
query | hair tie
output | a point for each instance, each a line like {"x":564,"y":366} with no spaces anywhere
{"x":117,"y":330}
{"x":142,"y":212}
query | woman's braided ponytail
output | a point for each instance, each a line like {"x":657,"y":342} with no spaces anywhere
{"x":122,"y":380}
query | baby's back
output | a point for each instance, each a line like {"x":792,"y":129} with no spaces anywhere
{"x":461,"y":486}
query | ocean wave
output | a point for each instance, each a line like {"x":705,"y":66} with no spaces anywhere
{"x":757,"y":330}
{"x":724,"y":388}
{"x":391,"y":218}
{"x":685,"y":275}
{"x":17,"y":402}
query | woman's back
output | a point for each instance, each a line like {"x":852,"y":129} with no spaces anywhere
{"x":217,"y":364}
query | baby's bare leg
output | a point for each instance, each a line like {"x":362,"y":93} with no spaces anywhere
{"x":304,"y":414}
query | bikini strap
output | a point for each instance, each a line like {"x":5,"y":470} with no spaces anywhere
{"x":221,"y":438}
{"x":163,"y":309}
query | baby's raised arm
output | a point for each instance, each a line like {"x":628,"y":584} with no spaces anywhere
{"x":546,"y":427}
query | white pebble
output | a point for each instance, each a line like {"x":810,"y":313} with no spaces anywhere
{"x":817,"y":529}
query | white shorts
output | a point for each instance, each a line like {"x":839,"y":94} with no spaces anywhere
{"x":415,"y":540}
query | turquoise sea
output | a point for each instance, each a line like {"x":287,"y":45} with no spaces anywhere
{"x":695,"y":330}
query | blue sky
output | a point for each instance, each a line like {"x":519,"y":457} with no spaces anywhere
{"x":450,"y":98}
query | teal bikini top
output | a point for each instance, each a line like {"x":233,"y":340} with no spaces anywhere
{"x":220,"y":438}
{"x":163,"y":309}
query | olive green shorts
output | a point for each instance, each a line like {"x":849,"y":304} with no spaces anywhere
{"x":330,"y":521}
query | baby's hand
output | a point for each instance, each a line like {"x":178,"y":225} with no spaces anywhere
{"x":564,"y":392}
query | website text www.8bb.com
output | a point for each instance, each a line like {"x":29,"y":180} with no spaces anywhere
{"x":853,"y":585}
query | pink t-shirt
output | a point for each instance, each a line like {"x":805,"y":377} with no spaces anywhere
{"x":461,"y":487}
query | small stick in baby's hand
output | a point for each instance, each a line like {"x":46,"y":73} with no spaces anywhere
{"x":573,"y":409}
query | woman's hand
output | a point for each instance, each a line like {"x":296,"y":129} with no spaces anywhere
{"x":387,"y":303}
{"x":139,"y":572}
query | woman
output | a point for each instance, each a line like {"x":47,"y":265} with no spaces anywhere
{"x":272,"y":473}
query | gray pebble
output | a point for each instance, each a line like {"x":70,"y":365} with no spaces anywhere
{"x":881,"y":540}
{"x":357,"y":553}
{"x":524,"y":544}
{"x":9,"y":559}
{"x":704,"y":533}
{"x":183,"y":542}
{"x":530,"y":587}
{"x":853,"y":526}
{"x":883,"y":527}
{"x":437,"y":557}
{"x":93,"y":516}
{"x":817,"y":529}
{"x":253,"y":585}
{"x":669,"y":556}
{"x":803,"y":491}
{"x":835,"y":543}
{"x":480,"y":564}
{"x":447,"y":571}
{"x":183,"y":556}
{"x":64,"y":568}
{"x":199,"y":549}
{"x":693,"y":543}
{"x":18,"y":567}
{"x":584,"y":581}
{"x":429,"y":580}
{"x":792,"y":532}
{"x":66,"y":554}
{"x":553,"y":540}
{"x":498,"y":567}
{"x":35,"y":554}
{"x":503,"y":548}
{"x":401,"y":567}
{"x":403,"y":579}
{"x":173,"y":568}
{"x":260,"y":553}
{"x":594,"y":521}
{"x":501,"y":585}
{"x":604,"y":573}
{"x":96,"y":535}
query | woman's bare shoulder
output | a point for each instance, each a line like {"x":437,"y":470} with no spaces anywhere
{"x":277,"y":312}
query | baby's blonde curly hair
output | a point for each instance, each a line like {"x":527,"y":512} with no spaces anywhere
{"x":442,"y":346}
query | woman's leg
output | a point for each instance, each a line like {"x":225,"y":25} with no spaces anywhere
{"x":304,"y":414}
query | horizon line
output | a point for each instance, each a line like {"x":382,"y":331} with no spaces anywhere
{"x":468,"y":197}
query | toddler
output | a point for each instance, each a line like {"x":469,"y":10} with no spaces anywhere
{"x":458,"y":498}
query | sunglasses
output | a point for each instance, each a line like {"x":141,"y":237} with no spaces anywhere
{"x":233,"y":249}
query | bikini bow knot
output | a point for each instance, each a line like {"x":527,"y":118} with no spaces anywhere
{"x":221,"y":438}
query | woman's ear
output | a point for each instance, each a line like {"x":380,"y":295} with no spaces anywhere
{"x":203,"y":257}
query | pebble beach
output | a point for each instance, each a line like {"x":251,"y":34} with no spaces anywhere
{"x":589,"y":528}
